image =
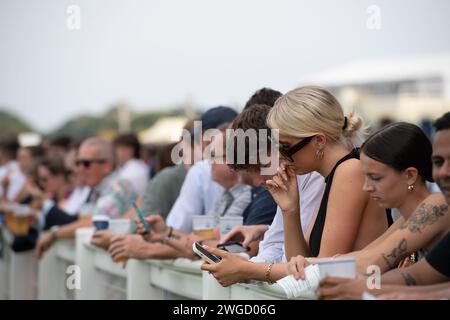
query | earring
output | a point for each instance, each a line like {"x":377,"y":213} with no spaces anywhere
{"x":410,"y":188}
{"x":319,"y":154}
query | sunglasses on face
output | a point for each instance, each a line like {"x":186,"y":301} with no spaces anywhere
{"x":87,"y":163}
{"x":288,"y":152}
{"x":42,"y":180}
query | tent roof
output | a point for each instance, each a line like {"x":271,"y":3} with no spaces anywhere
{"x":165,"y":130}
{"x":383,"y":70}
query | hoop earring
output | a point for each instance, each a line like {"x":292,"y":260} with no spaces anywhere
{"x":411,"y":188}
{"x":319,"y":154}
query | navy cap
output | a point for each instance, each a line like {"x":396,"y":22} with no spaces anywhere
{"x":216,"y":116}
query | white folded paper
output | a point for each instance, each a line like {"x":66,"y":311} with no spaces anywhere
{"x":344,"y":267}
{"x":294,"y":288}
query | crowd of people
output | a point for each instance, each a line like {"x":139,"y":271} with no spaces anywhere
{"x":333,"y":195}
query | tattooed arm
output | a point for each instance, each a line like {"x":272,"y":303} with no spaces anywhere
{"x":420,"y":273}
{"x":429,"y":222}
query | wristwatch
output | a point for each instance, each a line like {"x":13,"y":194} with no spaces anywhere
{"x":54,"y":231}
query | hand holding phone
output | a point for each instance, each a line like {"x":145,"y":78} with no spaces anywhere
{"x":141,"y":216}
{"x":205,"y":254}
{"x":233,"y":247}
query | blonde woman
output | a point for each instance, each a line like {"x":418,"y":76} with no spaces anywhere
{"x":314,"y":135}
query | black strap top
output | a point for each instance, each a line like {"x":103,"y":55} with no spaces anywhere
{"x":316,"y":233}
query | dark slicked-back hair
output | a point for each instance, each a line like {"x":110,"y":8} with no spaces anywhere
{"x":442,"y":123}
{"x":253,"y":117}
{"x":265,"y":96}
{"x":401,"y":145}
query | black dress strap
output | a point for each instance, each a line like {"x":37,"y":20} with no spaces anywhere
{"x":316,"y":233}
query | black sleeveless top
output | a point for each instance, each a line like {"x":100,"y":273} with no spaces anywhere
{"x":316,"y":233}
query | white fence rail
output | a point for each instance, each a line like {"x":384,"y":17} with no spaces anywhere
{"x":78,"y":270}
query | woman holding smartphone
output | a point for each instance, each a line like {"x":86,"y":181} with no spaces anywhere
{"x":314,"y":135}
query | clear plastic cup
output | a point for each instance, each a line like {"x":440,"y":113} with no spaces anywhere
{"x":87,"y":210}
{"x":228,"y":223}
{"x":118,"y":227}
{"x":203,"y":225}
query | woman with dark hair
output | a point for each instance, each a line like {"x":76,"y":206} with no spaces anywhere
{"x":396,"y":162}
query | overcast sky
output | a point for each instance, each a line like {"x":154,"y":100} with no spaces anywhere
{"x":153,"y":54}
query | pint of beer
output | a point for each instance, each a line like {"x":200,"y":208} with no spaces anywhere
{"x":203,"y":225}
{"x":8,"y":208}
{"x":118,"y":227}
{"x":22,"y":220}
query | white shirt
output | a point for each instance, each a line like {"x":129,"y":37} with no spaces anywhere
{"x":271,"y":248}
{"x":16,"y":179}
{"x":197,"y":196}
{"x":136,"y":172}
{"x":77,"y":198}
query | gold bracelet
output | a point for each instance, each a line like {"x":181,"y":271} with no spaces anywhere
{"x":268,"y":270}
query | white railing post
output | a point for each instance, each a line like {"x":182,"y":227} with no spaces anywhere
{"x":90,"y":287}
{"x":138,"y":282}
{"x":23,"y":276}
{"x":50,"y":277}
{"x":5,"y":264}
{"x":212,"y":290}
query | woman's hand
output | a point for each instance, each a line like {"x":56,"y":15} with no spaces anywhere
{"x":283,"y":188}
{"x":229,"y":270}
{"x":245,"y":234}
{"x":297,"y":266}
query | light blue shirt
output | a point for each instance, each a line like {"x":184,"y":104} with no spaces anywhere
{"x":271,"y":248}
{"x":197,"y":197}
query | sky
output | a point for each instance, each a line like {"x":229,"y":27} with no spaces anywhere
{"x":154,"y":54}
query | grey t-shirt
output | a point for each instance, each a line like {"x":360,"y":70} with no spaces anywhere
{"x":163,"y":190}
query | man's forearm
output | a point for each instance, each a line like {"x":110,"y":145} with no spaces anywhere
{"x":161,"y":251}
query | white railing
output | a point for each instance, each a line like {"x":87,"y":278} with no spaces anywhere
{"x":18,"y":271}
{"x":101,"y":278}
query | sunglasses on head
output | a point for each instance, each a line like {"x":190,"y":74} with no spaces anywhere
{"x":288,"y":152}
{"x":87,"y":163}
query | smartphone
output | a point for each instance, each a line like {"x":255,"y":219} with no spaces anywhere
{"x":141,"y":216}
{"x":233,"y":247}
{"x":205,"y":254}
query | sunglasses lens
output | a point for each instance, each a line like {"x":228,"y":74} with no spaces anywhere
{"x":84,"y":163}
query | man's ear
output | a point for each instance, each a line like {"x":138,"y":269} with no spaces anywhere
{"x":109,"y":167}
{"x":411,"y":175}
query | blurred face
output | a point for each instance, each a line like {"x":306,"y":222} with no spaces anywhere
{"x":25,"y":160}
{"x":49,"y":182}
{"x":220,"y":172}
{"x":441,"y":162}
{"x":387,"y":186}
{"x":123,"y":154}
{"x":92,"y":165}
{"x":254,"y":178}
{"x":76,"y":178}
{"x":304,"y":160}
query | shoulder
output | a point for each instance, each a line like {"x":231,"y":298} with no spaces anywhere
{"x":434,"y":203}
{"x":169,"y":173}
{"x":436,"y":198}
{"x":201,"y":168}
{"x":349,"y":170}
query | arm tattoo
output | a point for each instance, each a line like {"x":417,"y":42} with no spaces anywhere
{"x":409,"y":279}
{"x":396,"y":255}
{"x":426,"y":214}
